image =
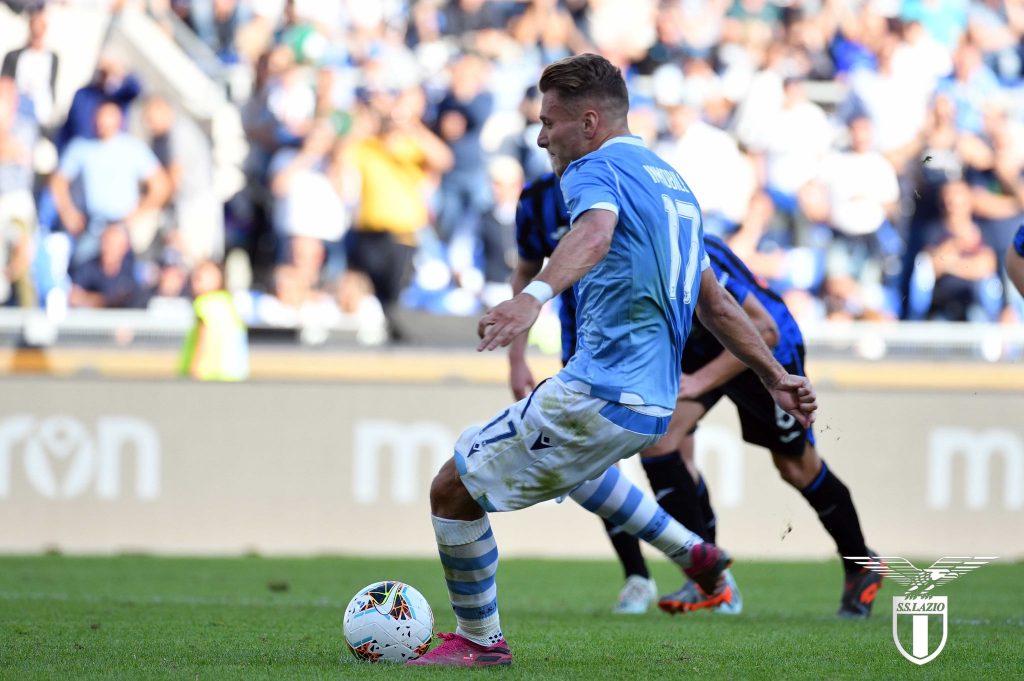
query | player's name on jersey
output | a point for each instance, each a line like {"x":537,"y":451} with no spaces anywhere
{"x":669,"y":178}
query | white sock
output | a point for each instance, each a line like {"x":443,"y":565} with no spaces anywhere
{"x":469,"y":556}
{"x":616,"y":499}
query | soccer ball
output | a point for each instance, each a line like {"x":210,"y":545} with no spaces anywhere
{"x":388,"y":621}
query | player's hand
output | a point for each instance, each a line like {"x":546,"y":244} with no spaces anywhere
{"x":689,"y":387}
{"x":520,"y":378}
{"x":501,"y":324}
{"x":795,"y":395}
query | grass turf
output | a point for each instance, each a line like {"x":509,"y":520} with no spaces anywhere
{"x":138,"y":617}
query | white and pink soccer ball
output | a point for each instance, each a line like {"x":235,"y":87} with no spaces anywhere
{"x":388,"y":622}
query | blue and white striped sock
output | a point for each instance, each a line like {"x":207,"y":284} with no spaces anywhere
{"x":616,"y":499}
{"x":469,"y":556}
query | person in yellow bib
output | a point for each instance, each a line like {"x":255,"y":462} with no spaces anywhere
{"x":217,"y":347}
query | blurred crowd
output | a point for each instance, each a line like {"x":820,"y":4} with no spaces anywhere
{"x":865,"y":157}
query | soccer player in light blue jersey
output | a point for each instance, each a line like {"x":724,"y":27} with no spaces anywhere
{"x":635,"y":255}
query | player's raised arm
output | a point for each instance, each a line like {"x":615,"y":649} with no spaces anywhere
{"x":720,"y":313}
{"x":577,"y":253}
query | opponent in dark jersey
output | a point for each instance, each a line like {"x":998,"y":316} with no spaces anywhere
{"x":710,"y":373}
{"x":541,"y":220}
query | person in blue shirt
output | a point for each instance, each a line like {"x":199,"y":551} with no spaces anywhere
{"x":710,"y":373}
{"x":636,"y":261}
{"x":542,"y":219}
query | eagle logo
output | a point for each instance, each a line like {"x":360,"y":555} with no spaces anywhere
{"x":917,"y":611}
{"x":917,"y":581}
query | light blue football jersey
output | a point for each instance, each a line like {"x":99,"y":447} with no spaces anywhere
{"x":635,"y":307}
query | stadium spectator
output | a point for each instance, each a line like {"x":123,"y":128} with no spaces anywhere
{"x":111,"y":83}
{"x":856,"y":195}
{"x":291,"y":99}
{"x":725,"y":187}
{"x":473,"y":20}
{"x":295,"y":302}
{"x":18,"y":233}
{"x":485,"y":271}
{"x":995,"y":27}
{"x":461,"y":113}
{"x":306,"y":183}
{"x":169,"y":284}
{"x":894,"y":99}
{"x":966,"y":284}
{"x":217,"y":347}
{"x":34,"y":69}
{"x":108,"y":279}
{"x":907,"y":67}
{"x":800,"y":139}
{"x":353,"y":294}
{"x":995,"y":174}
{"x":216,"y":22}
{"x":970,"y":85}
{"x":521,"y":143}
{"x":197,"y":214}
{"x":395,"y":161}
{"x":110,"y":170}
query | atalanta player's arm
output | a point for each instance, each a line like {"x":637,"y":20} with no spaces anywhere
{"x":577,"y":253}
{"x":723,"y":317}
{"x":726,"y":365}
{"x":520,"y":377}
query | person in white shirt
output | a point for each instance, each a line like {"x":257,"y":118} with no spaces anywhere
{"x":855,"y":194}
{"x":34,"y":69}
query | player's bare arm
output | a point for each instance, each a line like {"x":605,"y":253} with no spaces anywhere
{"x":520,"y":377}
{"x":584,"y":246}
{"x":727,"y":366}
{"x":720,"y":313}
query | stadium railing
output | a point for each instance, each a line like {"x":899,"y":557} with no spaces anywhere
{"x":855,"y":340}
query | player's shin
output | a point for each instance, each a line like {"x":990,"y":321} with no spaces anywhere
{"x":616,"y":499}
{"x":675,"y":490}
{"x":707,"y":512}
{"x":469,"y":556}
{"x":831,"y":499}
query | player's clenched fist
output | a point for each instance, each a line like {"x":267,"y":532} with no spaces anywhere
{"x":796,"y":396}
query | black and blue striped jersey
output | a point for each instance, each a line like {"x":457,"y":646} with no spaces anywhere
{"x":541,"y":220}
{"x":738,"y":280}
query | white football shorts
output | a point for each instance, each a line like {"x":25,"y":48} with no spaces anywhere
{"x":547,"y":444}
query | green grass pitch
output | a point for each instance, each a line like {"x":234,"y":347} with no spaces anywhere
{"x":138,"y":617}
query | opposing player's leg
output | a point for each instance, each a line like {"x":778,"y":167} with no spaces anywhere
{"x":672,"y":486}
{"x":671,"y":472}
{"x":831,"y":500}
{"x":707,"y":513}
{"x":638,"y":590}
{"x":726,"y":598}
